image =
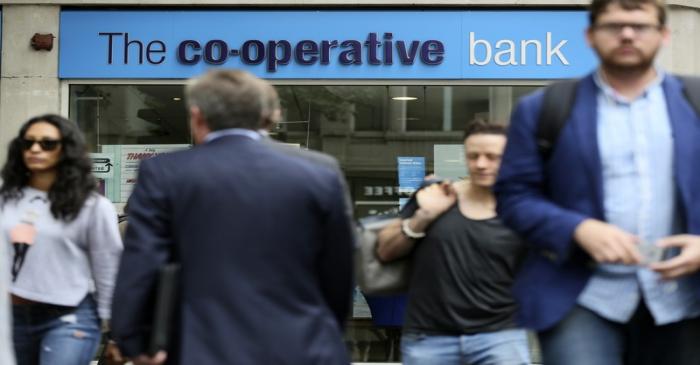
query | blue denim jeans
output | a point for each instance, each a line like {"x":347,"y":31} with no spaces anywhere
{"x":584,"y":338}
{"x":54,"y":335}
{"x":508,"y":347}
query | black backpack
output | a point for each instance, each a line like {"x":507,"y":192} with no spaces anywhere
{"x":559,"y":98}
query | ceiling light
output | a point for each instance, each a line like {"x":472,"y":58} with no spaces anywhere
{"x":177,"y":99}
{"x":404,"y":98}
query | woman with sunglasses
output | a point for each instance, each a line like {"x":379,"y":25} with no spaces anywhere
{"x":65,"y":244}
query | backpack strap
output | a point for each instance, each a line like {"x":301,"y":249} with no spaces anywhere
{"x":691,"y":90}
{"x":556,"y":107}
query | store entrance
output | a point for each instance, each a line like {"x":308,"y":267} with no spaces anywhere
{"x":367,"y":128}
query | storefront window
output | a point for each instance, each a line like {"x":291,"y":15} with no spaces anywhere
{"x":395,"y":108}
{"x":130,"y":114}
{"x":365,"y":127}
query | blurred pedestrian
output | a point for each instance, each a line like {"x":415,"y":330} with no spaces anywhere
{"x":460,"y":309}
{"x":263,"y":238}
{"x":65,"y":244}
{"x":621,"y":179}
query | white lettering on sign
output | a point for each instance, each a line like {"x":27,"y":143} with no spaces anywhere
{"x":556,"y":50}
{"x":506,"y":51}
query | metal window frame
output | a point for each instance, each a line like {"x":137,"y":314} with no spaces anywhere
{"x":66,"y":83}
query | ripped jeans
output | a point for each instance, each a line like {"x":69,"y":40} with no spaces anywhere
{"x":46,"y":334}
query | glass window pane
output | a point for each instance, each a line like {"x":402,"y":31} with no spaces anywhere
{"x":130,"y":114}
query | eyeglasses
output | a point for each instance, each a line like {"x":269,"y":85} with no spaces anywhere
{"x":640,"y":29}
{"x":44,"y":144}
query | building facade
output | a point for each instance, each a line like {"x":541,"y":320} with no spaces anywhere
{"x":384,"y":86}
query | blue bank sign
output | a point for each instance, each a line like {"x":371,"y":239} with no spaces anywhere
{"x":325,"y":44}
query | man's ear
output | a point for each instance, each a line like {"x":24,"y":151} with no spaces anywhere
{"x":198,"y":124}
{"x":666,"y":35}
{"x":196,"y":117}
{"x":266,"y":124}
{"x":588,"y":34}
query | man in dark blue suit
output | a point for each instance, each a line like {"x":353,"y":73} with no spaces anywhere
{"x":621,"y":180}
{"x":264,"y":240}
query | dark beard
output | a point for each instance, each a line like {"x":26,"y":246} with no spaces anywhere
{"x":643,"y":66}
{"x":617,"y":69}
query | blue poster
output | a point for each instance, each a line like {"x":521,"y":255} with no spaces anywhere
{"x":411,"y":173}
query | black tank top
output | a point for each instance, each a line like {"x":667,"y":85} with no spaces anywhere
{"x":462,"y":276}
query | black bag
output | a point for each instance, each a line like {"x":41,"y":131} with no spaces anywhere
{"x":167,"y":297}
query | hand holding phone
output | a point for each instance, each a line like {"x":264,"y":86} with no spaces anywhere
{"x":650,"y":252}
{"x":687,"y":262}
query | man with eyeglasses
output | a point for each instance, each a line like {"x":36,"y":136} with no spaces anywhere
{"x":619,"y":186}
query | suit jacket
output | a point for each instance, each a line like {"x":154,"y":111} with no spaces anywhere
{"x":266,"y":251}
{"x":320,"y":158}
{"x":545,"y":203}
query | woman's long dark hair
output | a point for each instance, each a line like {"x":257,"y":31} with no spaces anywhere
{"x":74,"y":180}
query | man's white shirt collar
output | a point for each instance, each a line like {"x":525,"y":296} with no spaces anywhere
{"x":255,"y":135}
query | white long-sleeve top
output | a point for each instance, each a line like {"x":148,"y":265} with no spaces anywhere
{"x":66,"y":260}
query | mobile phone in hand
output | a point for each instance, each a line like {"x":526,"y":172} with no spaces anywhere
{"x":650,"y":252}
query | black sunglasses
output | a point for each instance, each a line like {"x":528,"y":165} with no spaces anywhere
{"x":44,"y":144}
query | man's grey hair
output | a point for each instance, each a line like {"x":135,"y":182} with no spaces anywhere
{"x":229,"y":99}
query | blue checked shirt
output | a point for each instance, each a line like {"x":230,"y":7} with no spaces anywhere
{"x":636,"y":149}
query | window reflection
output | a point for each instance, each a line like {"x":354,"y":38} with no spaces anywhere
{"x":130,"y":114}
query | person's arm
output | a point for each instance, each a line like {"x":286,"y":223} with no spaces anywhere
{"x":433,"y":201}
{"x":147,"y":248}
{"x":392,"y":243}
{"x":521,"y":203}
{"x":104,"y":249}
